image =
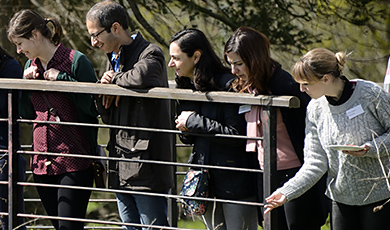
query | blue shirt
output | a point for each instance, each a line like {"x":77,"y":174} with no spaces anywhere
{"x":115,"y":58}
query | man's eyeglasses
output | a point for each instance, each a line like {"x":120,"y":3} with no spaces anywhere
{"x":95,"y":35}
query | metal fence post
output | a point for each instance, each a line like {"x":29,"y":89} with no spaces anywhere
{"x":13,"y":144}
{"x":269,"y":173}
{"x":172,"y":205}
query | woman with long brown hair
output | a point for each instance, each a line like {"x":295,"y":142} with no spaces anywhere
{"x":51,"y":60}
{"x":248,"y":53}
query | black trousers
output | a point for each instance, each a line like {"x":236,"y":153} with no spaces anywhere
{"x":347,"y":217}
{"x":66,"y":202}
{"x":4,"y":190}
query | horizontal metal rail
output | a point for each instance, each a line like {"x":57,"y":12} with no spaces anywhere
{"x":139,"y":193}
{"x":142,"y":161}
{"x":95,"y":221}
{"x":137,"y":128}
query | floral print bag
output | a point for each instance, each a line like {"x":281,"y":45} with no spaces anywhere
{"x":195,"y":184}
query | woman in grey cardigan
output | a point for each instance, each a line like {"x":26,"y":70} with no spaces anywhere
{"x":343,"y":112}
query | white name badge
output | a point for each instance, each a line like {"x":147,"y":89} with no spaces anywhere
{"x":244,"y":109}
{"x":355,"y":111}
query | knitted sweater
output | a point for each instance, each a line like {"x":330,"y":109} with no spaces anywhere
{"x":351,"y":180}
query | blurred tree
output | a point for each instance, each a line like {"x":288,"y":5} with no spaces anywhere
{"x":293,"y":27}
{"x":7,"y":9}
{"x":360,"y":27}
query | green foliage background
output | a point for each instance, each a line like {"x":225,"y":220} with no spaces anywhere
{"x":293,"y":27}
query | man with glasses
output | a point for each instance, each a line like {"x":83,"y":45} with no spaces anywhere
{"x":133,"y":63}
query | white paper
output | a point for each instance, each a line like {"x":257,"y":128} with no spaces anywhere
{"x":386,"y":82}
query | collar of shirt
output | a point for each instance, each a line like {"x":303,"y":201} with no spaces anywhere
{"x":115,"y":57}
{"x":56,"y":61}
{"x":349,"y":87}
{"x":115,"y":61}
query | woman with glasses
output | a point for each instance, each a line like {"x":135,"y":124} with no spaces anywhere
{"x":50,"y":60}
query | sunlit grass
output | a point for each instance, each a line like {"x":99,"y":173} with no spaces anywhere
{"x":198,"y":224}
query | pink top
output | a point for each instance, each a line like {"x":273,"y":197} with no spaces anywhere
{"x":286,"y":156}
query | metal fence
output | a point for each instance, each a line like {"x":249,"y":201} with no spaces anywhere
{"x":270,"y":103}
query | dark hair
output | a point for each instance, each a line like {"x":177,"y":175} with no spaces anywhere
{"x":107,"y":12}
{"x":25,"y":21}
{"x":254,"y":50}
{"x":190,"y":40}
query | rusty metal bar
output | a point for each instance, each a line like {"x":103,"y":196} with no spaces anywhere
{"x":95,"y":221}
{"x":172,"y":206}
{"x":177,"y":197}
{"x":142,"y":161}
{"x":13,"y":144}
{"x":136,"y":128}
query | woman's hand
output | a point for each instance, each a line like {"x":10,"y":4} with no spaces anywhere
{"x":181,"y":120}
{"x":31,"y":73}
{"x":51,"y":74}
{"x":275,"y":200}
{"x":358,"y":153}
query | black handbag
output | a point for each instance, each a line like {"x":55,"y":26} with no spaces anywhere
{"x":99,"y":168}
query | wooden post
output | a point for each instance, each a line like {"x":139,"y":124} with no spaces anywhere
{"x":269,"y":175}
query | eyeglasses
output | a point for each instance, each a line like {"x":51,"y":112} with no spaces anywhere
{"x":95,"y":35}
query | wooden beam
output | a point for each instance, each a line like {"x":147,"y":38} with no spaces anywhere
{"x":158,"y":92}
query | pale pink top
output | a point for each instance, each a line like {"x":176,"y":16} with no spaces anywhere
{"x":286,"y":156}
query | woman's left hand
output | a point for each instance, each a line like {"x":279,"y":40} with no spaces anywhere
{"x":275,"y":200}
{"x":181,"y":120}
{"x":358,"y":153}
{"x":51,"y":74}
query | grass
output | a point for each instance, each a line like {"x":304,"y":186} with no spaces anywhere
{"x":198,"y":224}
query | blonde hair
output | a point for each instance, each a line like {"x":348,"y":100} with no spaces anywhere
{"x":318,"y":62}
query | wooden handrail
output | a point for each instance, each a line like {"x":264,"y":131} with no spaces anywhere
{"x":157,"y":92}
